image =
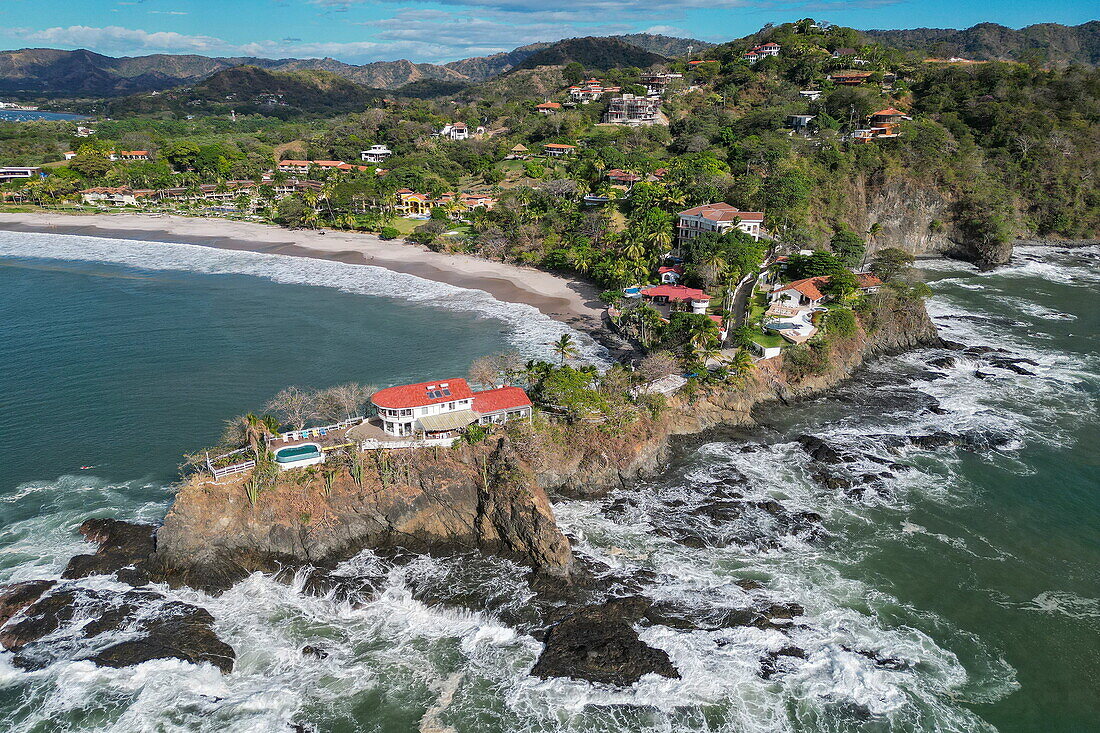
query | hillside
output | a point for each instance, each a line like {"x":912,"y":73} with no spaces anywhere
{"x":47,"y":72}
{"x":1046,"y":42}
{"x":593,"y":53}
{"x":250,"y":89}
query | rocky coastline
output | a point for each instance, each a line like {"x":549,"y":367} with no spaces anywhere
{"x":491,"y":497}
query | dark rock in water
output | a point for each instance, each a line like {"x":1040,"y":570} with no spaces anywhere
{"x":1012,"y":364}
{"x":598,"y":643}
{"x":983,"y":375}
{"x":978,"y":350}
{"x":819,"y":450}
{"x":14,"y":598}
{"x":187,"y":634}
{"x":952,"y":345}
{"x":886,"y":662}
{"x":167,"y":630}
{"x":124,"y":550}
{"x":935,"y":440}
{"x":354,"y":589}
{"x":770,"y":664}
{"x":944,"y":362}
{"x":748,"y":584}
{"x":314,"y":651}
{"x":928,"y":375}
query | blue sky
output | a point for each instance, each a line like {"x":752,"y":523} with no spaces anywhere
{"x":358,"y":31}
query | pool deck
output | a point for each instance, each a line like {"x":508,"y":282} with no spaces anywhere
{"x":340,"y":437}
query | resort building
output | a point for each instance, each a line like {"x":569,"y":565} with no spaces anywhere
{"x":630,"y":109}
{"x":121,"y":196}
{"x":519,"y":152}
{"x":557,"y":150}
{"x":849,"y":78}
{"x":548,"y":108}
{"x":411,"y":204}
{"x":718,"y":218}
{"x":19,"y":172}
{"x":677,"y":295}
{"x":619,"y":177}
{"x":375,"y":154}
{"x":441,"y":409}
{"x":800,"y":123}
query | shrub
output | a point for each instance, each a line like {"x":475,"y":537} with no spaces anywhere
{"x":389,"y":233}
{"x":803,"y":359}
{"x":841,"y":322}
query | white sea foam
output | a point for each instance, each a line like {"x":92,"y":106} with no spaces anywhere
{"x":1065,"y":604}
{"x":530,"y":331}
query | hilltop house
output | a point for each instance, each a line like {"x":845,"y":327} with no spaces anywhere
{"x":761,"y":51}
{"x":719,"y":218}
{"x":375,"y":154}
{"x":519,"y":152}
{"x":115,"y":156}
{"x":557,"y":149}
{"x":656,"y":81}
{"x":883,"y":124}
{"x":455,"y":131}
{"x":850,"y":55}
{"x":440,"y":409}
{"x":589,"y":90}
{"x":619,"y":177}
{"x":548,"y":108}
{"x":630,"y":109}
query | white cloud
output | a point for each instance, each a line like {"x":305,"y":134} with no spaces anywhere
{"x":117,"y":38}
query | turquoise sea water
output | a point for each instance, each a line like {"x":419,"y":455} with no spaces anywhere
{"x":20,"y":115}
{"x":976,"y":572}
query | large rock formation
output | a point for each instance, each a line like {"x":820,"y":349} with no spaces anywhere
{"x":435,"y":499}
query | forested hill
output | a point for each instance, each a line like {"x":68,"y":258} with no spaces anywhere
{"x":251,"y":90}
{"x":593,"y":53}
{"x":1044,"y":43}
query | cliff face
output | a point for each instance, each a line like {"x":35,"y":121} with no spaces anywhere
{"x":915,"y":216}
{"x":425,"y":500}
{"x":492,"y":495}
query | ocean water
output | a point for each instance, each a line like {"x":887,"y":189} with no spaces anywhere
{"x":28,"y":115}
{"x":959,"y":592}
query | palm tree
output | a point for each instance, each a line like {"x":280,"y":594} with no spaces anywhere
{"x":251,"y":429}
{"x":741,"y":364}
{"x":565,"y":348}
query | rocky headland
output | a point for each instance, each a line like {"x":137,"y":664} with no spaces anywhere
{"x":491,"y":496}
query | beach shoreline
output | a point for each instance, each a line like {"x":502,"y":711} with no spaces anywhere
{"x":568,"y":301}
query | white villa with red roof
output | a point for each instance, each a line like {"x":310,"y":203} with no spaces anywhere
{"x":807,"y":292}
{"x":442,"y":408}
{"x":671,"y":294}
{"x":719,"y":218}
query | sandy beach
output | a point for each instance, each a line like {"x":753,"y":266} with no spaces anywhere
{"x":564,"y":300}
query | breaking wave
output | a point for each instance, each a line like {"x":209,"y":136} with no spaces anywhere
{"x":530,"y":331}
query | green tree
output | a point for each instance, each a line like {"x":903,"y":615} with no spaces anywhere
{"x":888,"y":263}
{"x":573,"y":72}
{"x":848,"y":246}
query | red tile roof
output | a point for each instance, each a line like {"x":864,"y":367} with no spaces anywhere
{"x":548,"y":105}
{"x":416,"y":395}
{"x":559,"y":146}
{"x":722,"y":211}
{"x":504,"y":398}
{"x":867,"y":280}
{"x":808,"y":287}
{"x":678,"y":269}
{"x":675,"y":292}
{"x":888,"y":112}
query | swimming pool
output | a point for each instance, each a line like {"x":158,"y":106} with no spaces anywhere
{"x":295,"y":456}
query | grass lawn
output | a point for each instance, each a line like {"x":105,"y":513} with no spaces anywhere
{"x":767,"y":340}
{"x":406,"y":226}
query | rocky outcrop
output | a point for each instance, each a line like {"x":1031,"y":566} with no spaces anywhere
{"x":124,"y":551}
{"x":43,"y":623}
{"x":491,"y":496}
{"x":592,"y":463}
{"x":432,"y":500}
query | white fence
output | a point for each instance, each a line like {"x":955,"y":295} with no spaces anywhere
{"x":313,"y":433}
{"x":411,"y":443}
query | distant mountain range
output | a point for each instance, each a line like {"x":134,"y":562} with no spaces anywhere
{"x":54,"y":73}
{"x":1046,"y":42}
